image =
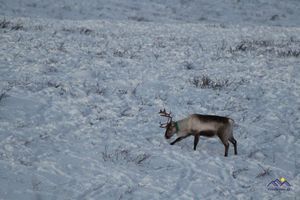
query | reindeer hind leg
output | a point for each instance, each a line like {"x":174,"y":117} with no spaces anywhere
{"x":224,"y":140}
{"x":234,"y":142}
{"x":226,"y":149}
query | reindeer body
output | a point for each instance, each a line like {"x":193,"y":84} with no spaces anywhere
{"x":202,"y":125}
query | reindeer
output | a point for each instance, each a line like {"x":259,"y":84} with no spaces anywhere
{"x":200,"y":125}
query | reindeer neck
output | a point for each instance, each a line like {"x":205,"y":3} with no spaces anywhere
{"x":182,"y":125}
{"x":177,"y":127}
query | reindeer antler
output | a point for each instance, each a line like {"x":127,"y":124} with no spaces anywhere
{"x":164,"y":113}
{"x":161,"y":125}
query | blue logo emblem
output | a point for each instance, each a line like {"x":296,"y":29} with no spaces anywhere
{"x":279,"y":184}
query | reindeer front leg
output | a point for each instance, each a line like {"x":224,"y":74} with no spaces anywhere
{"x":177,"y":140}
{"x":196,"y":140}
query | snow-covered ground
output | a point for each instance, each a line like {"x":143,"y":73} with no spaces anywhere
{"x":80,"y":91}
{"x":257,"y":12}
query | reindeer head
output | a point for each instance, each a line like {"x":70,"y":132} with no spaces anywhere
{"x":169,"y":125}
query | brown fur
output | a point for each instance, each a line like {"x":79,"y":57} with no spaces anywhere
{"x":210,"y":118}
